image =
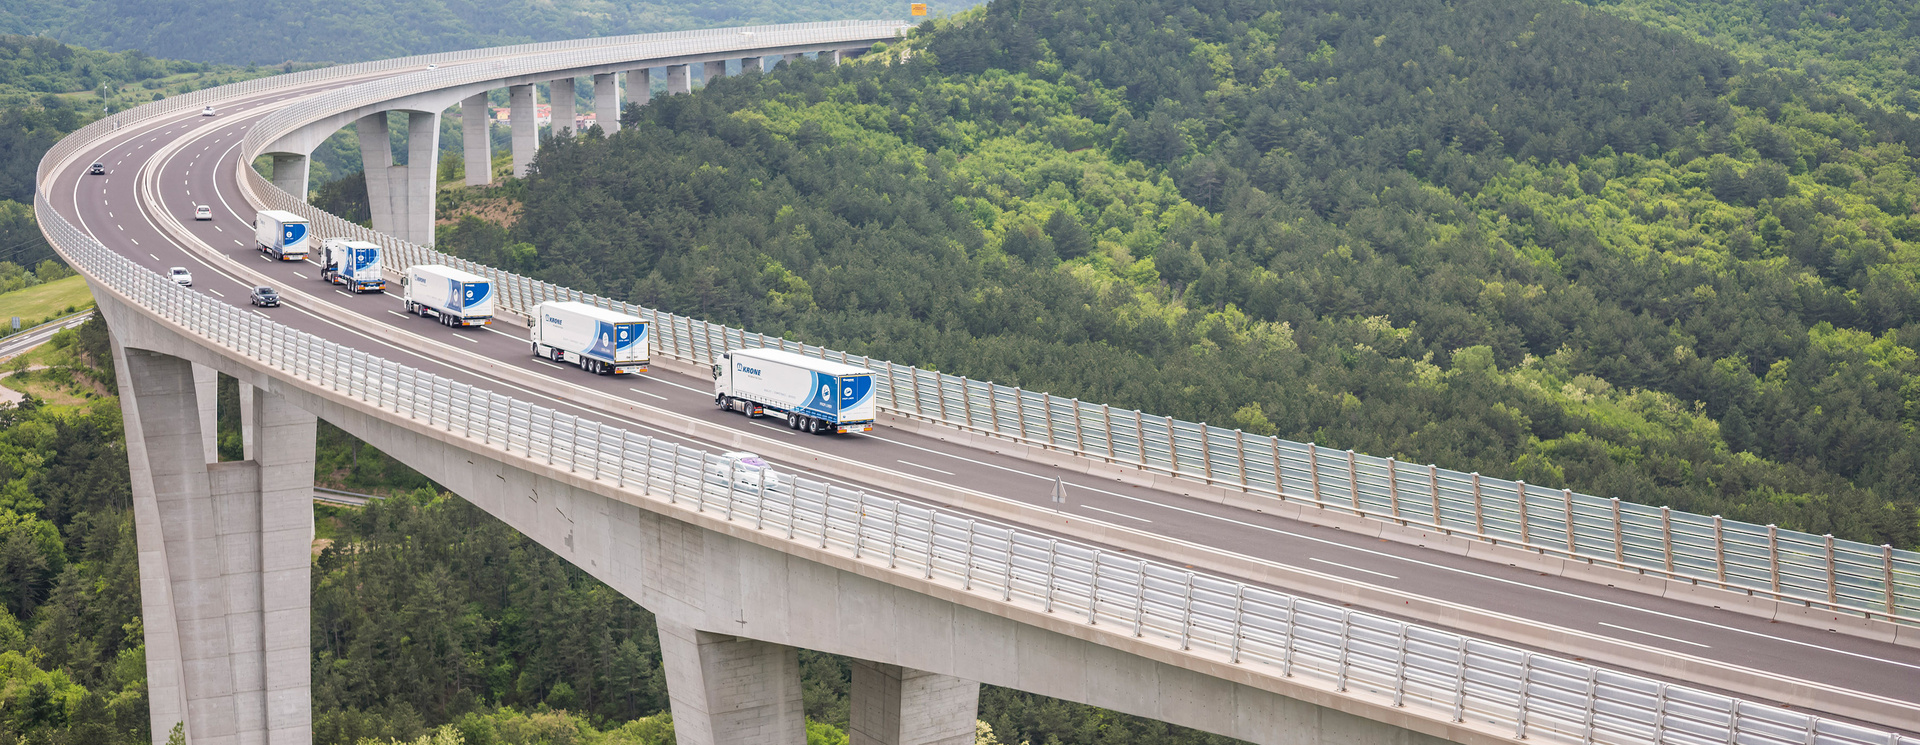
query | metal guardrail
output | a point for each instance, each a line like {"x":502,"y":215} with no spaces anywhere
{"x":1763,"y":560}
{"x":1434,"y":674}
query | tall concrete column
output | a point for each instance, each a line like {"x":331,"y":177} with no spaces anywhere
{"x":476,"y":139}
{"x":726,"y":690}
{"x":376,"y":160}
{"x":422,"y":175}
{"x":792,"y":58}
{"x":711,"y":71}
{"x":246,"y":422}
{"x":526,"y":127}
{"x":835,"y":55}
{"x":640,"y":86}
{"x":677,"y":80}
{"x":606,"y":102}
{"x":223,"y":555}
{"x":752,"y":64}
{"x":290,"y":173}
{"x":892,"y":705}
{"x":563,"y":100}
{"x":206,"y":390}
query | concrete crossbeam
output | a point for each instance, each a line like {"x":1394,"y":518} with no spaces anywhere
{"x":563,"y":103}
{"x":606,"y":102}
{"x":476,"y":139}
{"x":893,"y":705}
{"x":731,"y":690}
{"x":526,"y":127}
{"x":678,"y":81}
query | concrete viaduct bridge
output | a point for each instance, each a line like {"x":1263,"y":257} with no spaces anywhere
{"x":1273,"y":591}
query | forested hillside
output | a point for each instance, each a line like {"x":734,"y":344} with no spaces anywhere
{"x":1870,"y":48}
{"x":274,"y":31}
{"x":1526,"y":239}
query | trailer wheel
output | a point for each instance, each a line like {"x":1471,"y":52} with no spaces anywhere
{"x":792,"y":423}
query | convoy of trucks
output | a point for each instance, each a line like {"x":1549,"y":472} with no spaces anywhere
{"x":355,"y":264}
{"x":600,"y":341}
{"x":816,"y":395}
{"x":454,"y":297}
{"x":281,"y":235}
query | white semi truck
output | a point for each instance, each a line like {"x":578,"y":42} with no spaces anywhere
{"x":818,"y":396}
{"x":281,"y":235}
{"x":355,"y":264}
{"x":454,"y":297}
{"x":600,"y":341}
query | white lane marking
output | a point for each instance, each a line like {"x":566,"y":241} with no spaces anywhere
{"x":237,"y":242}
{"x":645,"y":393}
{"x":782,"y":430}
{"x":1428,"y":564}
{"x":344,"y":292}
{"x":302,"y":276}
{"x":216,"y":227}
{"x":1654,"y":635}
{"x":122,"y":227}
{"x":466,"y":338}
{"x":215,"y":292}
{"x":677,"y":385}
{"x":155,"y":258}
{"x":136,"y":241}
{"x":1116,"y":514}
{"x":398,"y":313}
{"x":1354,"y":568}
{"x":109,"y":213}
{"x":263,"y":257}
{"x":262,"y":313}
{"x":503,"y":333}
{"x":916,"y":465}
{"x":544,"y":362}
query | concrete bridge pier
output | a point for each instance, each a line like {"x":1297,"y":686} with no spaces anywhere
{"x":223,"y":560}
{"x":791,"y":58}
{"x":894,"y":705}
{"x":713,"y":70}
{"x":677,"y":80}
{"x":606,"y":102}
{"x":640,"y":86}
{"x":728,"y":690}
{"x":476,"y":140}
{"x":401,"y":196}
{"x":752,"y":64}
{"x":290,"y":173}
{"x":525,"y":121}
{"x":562,"y":102}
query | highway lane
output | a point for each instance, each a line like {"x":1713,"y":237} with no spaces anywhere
{"x":205,"y":168}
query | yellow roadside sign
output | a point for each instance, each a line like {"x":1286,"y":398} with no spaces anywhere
{"x":919,"y":9}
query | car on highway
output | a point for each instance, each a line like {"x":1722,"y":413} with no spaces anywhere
{"x":264,"y":297}
{"x":208,"y":111}
{"x":180,"y":276}
{"x":747,"y":470}
{"x":203,"y":212}
{"x":97,"y":169}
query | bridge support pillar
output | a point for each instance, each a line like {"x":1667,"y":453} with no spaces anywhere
{"x":732,"y":691}
{"x":223,"y":561}
{"x":677,"y":80}
{"x":639,"y":86}
{"x":792,"y":58}
{"x":713,"y":70}
{"x":606,"y":102}
{"x":892,"y":705}
{"x":401,"y":197}
{"x":526,"y":128}
{"x":563,"y":102}
{"x":290,"y":173}
{"x":476,"y":140}
{"x":206,"y":394}
{"x":752,"y":64}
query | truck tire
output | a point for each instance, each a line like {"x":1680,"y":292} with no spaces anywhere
{"x":793,"y":422}
{"x":723,"y":403}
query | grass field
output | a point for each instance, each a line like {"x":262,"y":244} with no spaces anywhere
{"x":44,"y":301}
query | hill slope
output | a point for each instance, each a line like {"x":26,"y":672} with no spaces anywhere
{"x":1522,"y":238}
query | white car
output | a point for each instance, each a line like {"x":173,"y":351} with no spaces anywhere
{"x":746,"y":468}
{"x":180,"y":276}
{"x":208,"y":111}
{"x":203,"y":212}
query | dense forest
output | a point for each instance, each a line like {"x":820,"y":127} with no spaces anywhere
{"x":1526,"y":239}
{"x":275,"y":31}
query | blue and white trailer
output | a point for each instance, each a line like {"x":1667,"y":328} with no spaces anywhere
{"x":600,"y":341}
{"x":282,"y":235}
{"x":355,"y":264}
{"x":454,"y":297}
{"x":816,"y":395}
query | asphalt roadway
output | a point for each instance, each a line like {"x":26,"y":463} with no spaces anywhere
{"x":203,"y":171}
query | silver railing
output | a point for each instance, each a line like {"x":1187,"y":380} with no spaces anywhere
{"x":1762,"y":560}
{"x":1437,"y":675}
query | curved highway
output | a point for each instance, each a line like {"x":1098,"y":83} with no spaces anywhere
{"x":186,"y":160}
